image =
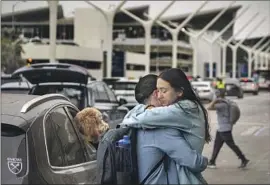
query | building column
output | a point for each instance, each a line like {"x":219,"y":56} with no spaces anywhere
{"x":53,"y":29}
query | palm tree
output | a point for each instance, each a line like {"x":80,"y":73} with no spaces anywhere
{"x":10,"y":52}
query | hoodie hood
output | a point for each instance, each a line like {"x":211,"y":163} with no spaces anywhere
{"x":131,"y":115}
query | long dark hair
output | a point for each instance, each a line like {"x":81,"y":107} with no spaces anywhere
{"x":178,"y":80}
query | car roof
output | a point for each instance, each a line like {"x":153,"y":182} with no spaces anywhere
{"x":59,"y":84}
{"x":201,"y":82}
{"x":69,"y":84}
{"x":95,"y":82}
{"x":246,"y":79}
{"x":12,"y":103}
{"x":16,"y":85}
{"x":232,"y":81}
{"x":18,"y":109}
{"x":111,"y":78}
{"x":127,"y":81}
{"x":208,"y":79}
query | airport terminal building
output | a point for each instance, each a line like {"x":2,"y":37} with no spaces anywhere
{"x":81,"y":40}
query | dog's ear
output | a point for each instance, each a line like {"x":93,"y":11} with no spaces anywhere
{"x":79,"y":125}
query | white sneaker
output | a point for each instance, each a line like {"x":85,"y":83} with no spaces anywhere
{"x":211,"y":166}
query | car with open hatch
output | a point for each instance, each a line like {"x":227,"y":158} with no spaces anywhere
{"x":76,"y":83}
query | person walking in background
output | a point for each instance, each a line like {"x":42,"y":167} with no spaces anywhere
{"x":255,"y":77}
{"x":224,"y":131}
{"x":220,"y":84}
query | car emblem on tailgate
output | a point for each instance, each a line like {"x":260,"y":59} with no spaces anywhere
{"x":14,"y":165}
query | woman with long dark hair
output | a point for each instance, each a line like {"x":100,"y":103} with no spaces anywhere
{"x":177,"y":80}
{"x":180,"y":110}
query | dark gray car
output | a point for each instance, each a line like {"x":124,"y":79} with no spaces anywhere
{"x":233,"y":88}
{"x":41,"y":143}
{"x":75,"y":83}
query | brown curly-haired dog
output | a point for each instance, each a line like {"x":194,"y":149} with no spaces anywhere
{"x":90,"y":123}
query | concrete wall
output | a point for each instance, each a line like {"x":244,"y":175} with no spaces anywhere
{"x":89,"y":28}
{"x":41,"y":52}
{"x":134,"y":74}
{"x":204,"y":50}
{"x":137,"y":59}
{"x":97,"y":73}
{"x":38,"y":51}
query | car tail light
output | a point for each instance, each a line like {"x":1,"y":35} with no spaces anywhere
{"x":255,"y":85}
{"x":189,"y":77}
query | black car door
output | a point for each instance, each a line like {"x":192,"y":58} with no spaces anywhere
{"x":68,"y":160}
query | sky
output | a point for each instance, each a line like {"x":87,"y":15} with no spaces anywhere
{"x":178,"y":8}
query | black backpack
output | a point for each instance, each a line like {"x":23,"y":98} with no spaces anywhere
{"x":109,"y":159}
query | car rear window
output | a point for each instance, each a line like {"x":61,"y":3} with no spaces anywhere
{"x":74,"y":93}
{"x":13,"y":154}
{"x":124,"y":85}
